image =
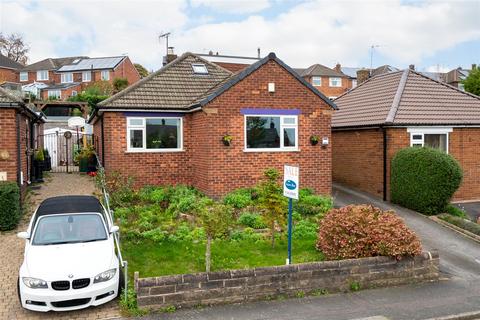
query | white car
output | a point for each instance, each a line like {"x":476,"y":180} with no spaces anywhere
{"x":70,"y":261}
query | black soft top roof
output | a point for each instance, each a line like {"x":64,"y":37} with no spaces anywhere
{"x":69,"y":204}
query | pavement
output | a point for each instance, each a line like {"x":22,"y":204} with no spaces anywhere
{"x":12,"y":248}
{"x":458,"y":291}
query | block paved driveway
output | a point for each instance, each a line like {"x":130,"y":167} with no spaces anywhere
{"x":11,"y":254}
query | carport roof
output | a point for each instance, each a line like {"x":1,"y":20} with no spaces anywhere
{"x":405,"y":98}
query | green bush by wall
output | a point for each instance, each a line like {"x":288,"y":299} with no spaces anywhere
{"x":9,"y":205}
{"x":424,"y":179}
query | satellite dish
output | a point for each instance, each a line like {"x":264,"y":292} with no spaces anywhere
{"x":74,"y":122}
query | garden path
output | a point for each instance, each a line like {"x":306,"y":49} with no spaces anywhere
{"x":12,"y":248}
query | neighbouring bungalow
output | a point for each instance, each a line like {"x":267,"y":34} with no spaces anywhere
{"x":169,"y":128}
{"x":20,"y":128}
{"x":396,"y":110}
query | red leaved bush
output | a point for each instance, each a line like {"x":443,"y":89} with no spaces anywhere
{"x":358,"y":231}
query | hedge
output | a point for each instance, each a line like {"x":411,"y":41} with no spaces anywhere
{"x":10,"y":205}
{"x":424,"y":179}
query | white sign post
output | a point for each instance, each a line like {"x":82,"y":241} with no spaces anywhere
{"x":291,"y":186}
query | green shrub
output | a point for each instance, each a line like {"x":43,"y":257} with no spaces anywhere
{"x":310,"y":204}
{"x":119,"y":84}
{"x":305,"y":230}
{"x":424,"y":179}
{"x":120,"y":189}
{"x":246,"y":234}
{"x":358,"y":231}
{"x":455,"y":211}
{"x":462,"y":223}
{"x":239,"y":198}
{"x":252,"y":220}
{"x":10,"y":213}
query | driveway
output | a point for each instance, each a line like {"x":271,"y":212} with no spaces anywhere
{"x":11,"y":254}
{"x":457,"y":292}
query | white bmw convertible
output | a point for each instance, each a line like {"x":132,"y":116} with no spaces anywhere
{"x":70,"y":261}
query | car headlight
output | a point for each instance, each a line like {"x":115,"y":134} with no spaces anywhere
{"x":104,"y":276}
{"x":34,"y":283}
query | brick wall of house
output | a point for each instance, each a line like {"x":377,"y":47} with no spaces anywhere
{"x":126,"y":69}
{"x":8,"y":75}
{"x":230,"y":167}
{"x":332,"y":91}
{"x":8,"y":143}
{"x":216,"y":169}
{"x":357,"y":159}
{"x":65,"y":93}
{"x":53,"y":77}
{"x":358,"y":162}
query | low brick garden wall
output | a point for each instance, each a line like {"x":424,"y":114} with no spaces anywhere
{"x":232,"y":286}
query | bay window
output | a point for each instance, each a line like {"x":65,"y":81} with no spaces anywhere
{"x":154,"y":134}
{"x":271,"y":132}
{"x":436,"y":138}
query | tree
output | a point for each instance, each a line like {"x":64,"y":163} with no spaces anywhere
{"x":14,"y":47}
{"x":119,"y":84}
{"x":141,"y":70}
{"x":94,"y":93}
{"x":472,"y":82}
{"x":272,"y":202}
{"x":215,"y":219}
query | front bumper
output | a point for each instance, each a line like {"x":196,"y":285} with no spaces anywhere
{"x":73,"y":299}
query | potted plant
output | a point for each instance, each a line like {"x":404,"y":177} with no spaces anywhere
{"x":38,"y":164}
{"x":47,"y":163}
{"x":86,"y":160}
{"x":227,"y":140}
{"x":314,"y":140}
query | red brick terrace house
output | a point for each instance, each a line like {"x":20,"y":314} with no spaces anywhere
{"x":20,"y":127}
{"x":8,"y":69}
{"x":396,"y":110}
{"x":67,"y":77}
{"x":168,"y":127}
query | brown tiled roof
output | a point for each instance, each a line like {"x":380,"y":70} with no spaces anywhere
{"x":50,"y":63}
{"x":405,"y":98}
{"x":175,"y":86}
{"x":319,"y":70}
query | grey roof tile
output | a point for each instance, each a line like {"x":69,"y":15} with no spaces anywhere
{"x":50,"y":63}
{"x":320,"y":70}
{"x":8,"y":63}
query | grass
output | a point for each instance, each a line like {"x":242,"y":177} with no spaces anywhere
{"x":462,"y":223}
{"x":152,"y":259}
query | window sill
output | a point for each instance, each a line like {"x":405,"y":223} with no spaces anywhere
{"x":155,"y":151}
{"x":271,"y":150}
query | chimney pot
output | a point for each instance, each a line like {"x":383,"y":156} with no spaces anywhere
{"x":338,"y":67}
{"x":411,"y":67}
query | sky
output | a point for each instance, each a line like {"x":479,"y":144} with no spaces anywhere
{"x":432,"y":35}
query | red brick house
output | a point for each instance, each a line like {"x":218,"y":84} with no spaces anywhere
{"x":396,"y":110}
{"x":69,"y":76}
{"x":8,"y":69}
{"x":20,"y":127}
{"x":330,"y":82}
{"x":168,"y":127}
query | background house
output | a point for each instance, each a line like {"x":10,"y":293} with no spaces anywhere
{"x":20,"y":128}
{"x":328,"y":81}
{"x":173,"y":121}
{"x":229,"y":62}
{"x":396,"y":110}
{"x":8,"y":69}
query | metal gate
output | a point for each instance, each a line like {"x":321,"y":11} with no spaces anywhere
{"x":63,"y":147}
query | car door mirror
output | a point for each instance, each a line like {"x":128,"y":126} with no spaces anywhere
{"x":23,"y":235}
{"x":114,"y":229}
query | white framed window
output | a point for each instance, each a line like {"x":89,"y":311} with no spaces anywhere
{"x":154,"y":134}
{"x":86,"y":76}
{"x":199,"y":68}
{"x":316,"y":81}
{"x":54,"y":94}
{"x":66,"y":77}
{"x":335,"y":81}
{"x":271,"y":133}
{"x":105,"y":75}
{"x":436,"y":138}
{"x":42,"y":75}
{"x":23,"y":76}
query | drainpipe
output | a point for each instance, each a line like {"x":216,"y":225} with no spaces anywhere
{"x":385,"y":148}
{"x":103,"y":141}
{"x":19,"y":155}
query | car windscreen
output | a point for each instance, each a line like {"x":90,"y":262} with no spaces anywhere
{"x":69,"y":228}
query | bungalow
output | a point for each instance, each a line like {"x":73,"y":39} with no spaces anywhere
{"x":168,"y":128}
{"x":20,"y":127}
{"x":395,"y":110}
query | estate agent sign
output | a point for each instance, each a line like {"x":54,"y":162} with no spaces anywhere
{"x":291,"y":186}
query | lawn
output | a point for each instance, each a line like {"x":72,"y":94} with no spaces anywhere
{"x":156,"y":259}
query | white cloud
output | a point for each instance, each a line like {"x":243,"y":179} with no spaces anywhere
{"x":233,"y":6}
{"x":439,"y":68}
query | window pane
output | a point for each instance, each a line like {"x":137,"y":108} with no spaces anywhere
{"x":136,"y":139}
{"x":417,"y":137}
{"x":163,"y":133}
{"x":135,"y":122}
{"x":289,"y":137}
{"x":317,"y":81}
{"x":437,"y":141}
{"x":289,"y":120}
{"x":263,"y":132}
